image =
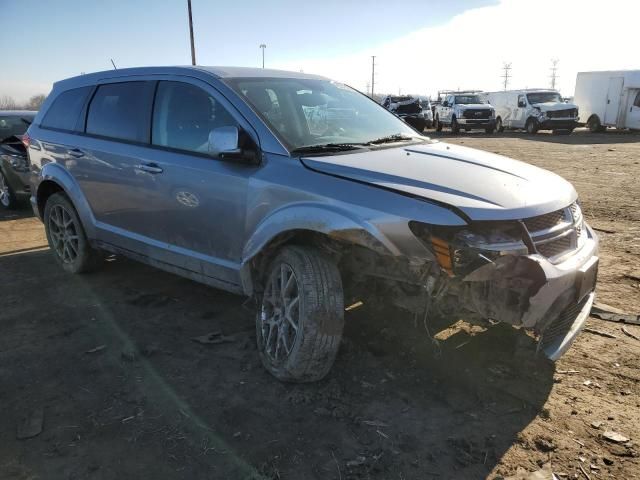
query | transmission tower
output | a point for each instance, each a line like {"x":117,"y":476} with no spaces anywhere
{"x":506,"y":67}
{"x":554,"y":72}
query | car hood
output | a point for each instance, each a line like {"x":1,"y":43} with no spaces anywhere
{"x":553,"y":106}
{"x":484,"y":186}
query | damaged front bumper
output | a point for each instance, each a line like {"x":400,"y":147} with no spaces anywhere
{"x":551,"y":299}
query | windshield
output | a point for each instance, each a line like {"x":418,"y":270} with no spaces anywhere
{"x":14,"y":125}
{"x":467,"y":99}
{"x":544,"y":97}
{"x":304,"y":112}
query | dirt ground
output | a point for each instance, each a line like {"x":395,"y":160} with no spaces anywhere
{"x":109,"y":360}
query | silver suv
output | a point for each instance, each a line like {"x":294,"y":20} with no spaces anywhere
{"x":293,"y":189}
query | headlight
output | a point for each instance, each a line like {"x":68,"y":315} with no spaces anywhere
{"x":460,"y":252}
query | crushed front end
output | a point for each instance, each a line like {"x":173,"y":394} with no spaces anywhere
{"x":537,"y":273}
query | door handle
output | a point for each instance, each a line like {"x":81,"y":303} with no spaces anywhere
{"x":75,"y":152}
{"x":149,"y":168}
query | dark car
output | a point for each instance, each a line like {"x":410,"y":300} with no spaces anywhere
{"x":14,"y":166}
{"x":408,"y":108}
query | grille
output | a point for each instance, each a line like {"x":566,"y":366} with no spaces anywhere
{"x":560,"y":327}
{"x":555,"y":234}
{"x":476,"y":113}
{"x":569,"y":112}
{"x":546,"y":221}
{"x":555,"y":247}
{"x":410,"y":108}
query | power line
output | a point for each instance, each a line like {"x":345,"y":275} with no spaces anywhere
{"x":506,"y":67}
{"x":554,"y":72}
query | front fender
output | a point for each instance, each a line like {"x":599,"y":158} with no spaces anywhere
{"x":321,"y":218}
{"x":56,"y":173}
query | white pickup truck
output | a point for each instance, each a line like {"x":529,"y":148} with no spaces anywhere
{"x":465,"y":110}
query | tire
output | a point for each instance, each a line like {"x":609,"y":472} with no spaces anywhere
{"x":66,"y":236}
{"x":437,"y":124}
{"x":532,"y":126}
{"x":455,"y":127}
{"x":499,"y":126}
{"x":308,"y":350}
{"x":594,"y":124}
{"x":8,"y":198}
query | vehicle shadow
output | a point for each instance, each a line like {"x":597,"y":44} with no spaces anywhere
{"x":17,"y":214}
{"x":121,"y":343}
{"x":578,"y":137}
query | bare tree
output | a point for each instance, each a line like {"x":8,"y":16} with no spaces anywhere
{"x":36,"y":101}
{"x":7,"y":103}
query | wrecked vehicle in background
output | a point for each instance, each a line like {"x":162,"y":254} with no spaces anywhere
{"x":14,"y":168}
{"x":408,"y":108}
{"x":296,"y":209}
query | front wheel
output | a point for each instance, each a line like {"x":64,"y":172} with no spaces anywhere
{"x":8,"y":198}
{"x":455,"y":127}
{"x":66,"y":236}
{"x":437,"y":124}
{"x":532,"y":126}
{"x":301,"y":317}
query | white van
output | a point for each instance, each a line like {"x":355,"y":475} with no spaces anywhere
{"x":533,"y":110}
{"x":609,"y":99}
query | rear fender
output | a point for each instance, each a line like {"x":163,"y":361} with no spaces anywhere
{"x":56,"y":173}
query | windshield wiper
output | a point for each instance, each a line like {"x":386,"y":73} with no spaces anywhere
{"x":398,"y":137}
{"x":328,"y":147}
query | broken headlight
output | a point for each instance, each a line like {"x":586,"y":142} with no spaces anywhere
{"x":460,"y":251}
{"x":470,"y":249}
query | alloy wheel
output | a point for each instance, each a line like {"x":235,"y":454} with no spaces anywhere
{"x":280,"y":313}
{"x":64,"y":234}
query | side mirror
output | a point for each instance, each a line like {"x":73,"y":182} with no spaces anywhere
{"x":445,"y":104}
{"x":224,"y":141}
{"x":521,"y":105}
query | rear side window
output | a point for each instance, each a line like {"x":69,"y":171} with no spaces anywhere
{"x":121,"y":111}
{"x":636,"y":103}
{"x":64,"y":112}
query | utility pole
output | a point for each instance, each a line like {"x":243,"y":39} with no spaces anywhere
{"x":193,"y":48}
{"x":373,"y":73}
{"x":368,"y":87}
{"x":507,"y":74}
{"x":554,"y":72}
{"x":263,"y":46}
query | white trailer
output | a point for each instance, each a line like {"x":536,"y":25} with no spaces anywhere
{"x":609,"y":99}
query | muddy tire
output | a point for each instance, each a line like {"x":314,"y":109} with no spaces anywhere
{"x":532,"y":126}
{"x":8,"y":198}
{"x":301,"y":315}
{"x":437,"y":125}
{"x":66,"y":236}
{"x":499,"y":125}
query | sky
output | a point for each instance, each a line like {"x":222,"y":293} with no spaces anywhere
{"x":421,"y":46}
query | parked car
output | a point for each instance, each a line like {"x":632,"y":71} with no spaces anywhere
{"x":427,"y":111}
{"x":218,"y":174}
{"x":465,"y":110}
{"x":609,"y":99}
{"x":408,"y":108}
{"x":14,"y":168}
{"x":533,"y":110}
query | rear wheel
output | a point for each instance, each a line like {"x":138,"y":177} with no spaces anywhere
{"x":301,"y":317}
{"x":8,"y":198}
{"x":532,"y":126}
{"x":594,"y":124}
{"x":499,"y":126}
{"x":66,"y":236}
{"x":437,"y":125}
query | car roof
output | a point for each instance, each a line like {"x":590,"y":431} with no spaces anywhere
{"x":189,"y":70}
{"x":28,"y":113}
